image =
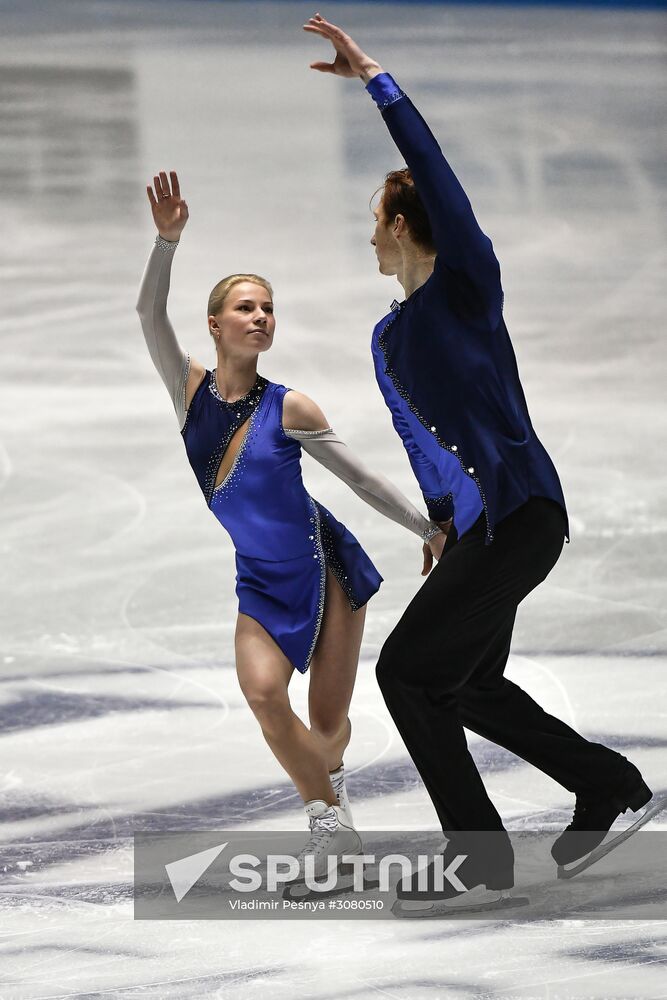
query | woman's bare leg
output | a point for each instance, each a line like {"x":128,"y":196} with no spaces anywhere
{"x":264,"y":673}
{"x":333,"y":670}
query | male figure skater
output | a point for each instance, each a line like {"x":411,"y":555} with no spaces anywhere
{"x":446,"y":368}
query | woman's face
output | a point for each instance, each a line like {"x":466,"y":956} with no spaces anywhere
{"x":245,"y":324}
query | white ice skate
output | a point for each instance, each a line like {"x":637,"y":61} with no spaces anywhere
{"x":338,"y":784}
{"x":330,"y":834}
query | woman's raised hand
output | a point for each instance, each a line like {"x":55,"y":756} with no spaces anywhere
{"x":170,"y":212}
{"x":350,"y":59}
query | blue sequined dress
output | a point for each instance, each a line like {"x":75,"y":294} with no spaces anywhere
{"x":284,"y":539}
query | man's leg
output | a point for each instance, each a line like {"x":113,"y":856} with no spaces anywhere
{"x":458,"y":627}
{"x":443,"y":636}
{"x":504,"y":714}
{"x":494,"y":707}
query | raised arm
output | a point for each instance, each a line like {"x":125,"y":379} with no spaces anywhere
{"x":461,"y":246}
{"x":170,"y":214}
{"x":324,"y":445}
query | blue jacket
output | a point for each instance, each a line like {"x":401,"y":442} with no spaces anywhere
{"x":443,"y":357}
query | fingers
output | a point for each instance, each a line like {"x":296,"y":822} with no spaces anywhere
{"x":318,"y":25}
{"x":428,"y":560}
{"x":325,"y":25}
{"x":323,"y":67}
{"x":161,"y":185}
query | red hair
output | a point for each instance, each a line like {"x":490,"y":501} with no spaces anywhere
{"x":399,"y":197}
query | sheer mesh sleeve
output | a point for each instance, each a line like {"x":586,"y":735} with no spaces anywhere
{"x":330,"y":451}
{"x":169,"y":358}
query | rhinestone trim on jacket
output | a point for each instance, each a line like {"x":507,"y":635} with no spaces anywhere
{"x":390,"y":99}
{"x":452,"y":449}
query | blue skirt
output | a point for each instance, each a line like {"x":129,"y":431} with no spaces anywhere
{"x":287,"y":597}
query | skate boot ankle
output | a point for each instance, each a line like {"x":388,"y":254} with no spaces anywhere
{"x":595,"y":814}
{"x":483,"y":881}
{"x":329,"y":834}
{"x":338,"y":784}
{"x":489,"y":863}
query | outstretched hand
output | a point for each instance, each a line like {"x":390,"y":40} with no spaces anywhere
{"x":350,"y":59}
{"x":170,"y":211}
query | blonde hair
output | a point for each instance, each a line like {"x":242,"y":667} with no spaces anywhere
{"x":219,"y":293}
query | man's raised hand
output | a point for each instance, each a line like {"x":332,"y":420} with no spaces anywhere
{"x":170,"y":211}
{"x":350,"y":59}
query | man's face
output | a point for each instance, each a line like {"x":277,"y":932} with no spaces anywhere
{"x":386,"y":245}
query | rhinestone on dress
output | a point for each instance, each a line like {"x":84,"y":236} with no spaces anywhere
{"x":165,"y":244}
{"x":295,"y":433}
{"x":334,"y":562}
{"x":259,"y":384}
{"x":185,"y":385}
{"x":323,"y":577}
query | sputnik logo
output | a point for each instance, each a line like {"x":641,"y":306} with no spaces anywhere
{"x":186,"y":871}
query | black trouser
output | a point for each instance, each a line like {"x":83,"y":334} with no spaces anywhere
{"x":442,"y":669}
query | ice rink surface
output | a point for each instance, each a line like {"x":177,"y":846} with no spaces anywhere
{"x":119,"y":705}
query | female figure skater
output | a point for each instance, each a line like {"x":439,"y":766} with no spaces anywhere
{"x":303,"y":580}
{"x":446,"y":368}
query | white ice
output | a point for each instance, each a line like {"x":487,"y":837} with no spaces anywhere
{"x":119,"y":705}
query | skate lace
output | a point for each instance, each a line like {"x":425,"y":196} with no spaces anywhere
{"x":321,"y":828}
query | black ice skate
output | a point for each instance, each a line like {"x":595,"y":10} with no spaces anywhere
{"x":582,"y":840}
{"x":482,"y":882}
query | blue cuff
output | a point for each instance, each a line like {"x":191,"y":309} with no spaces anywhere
{"x":440,"y":508}
{"x":384,"y":90}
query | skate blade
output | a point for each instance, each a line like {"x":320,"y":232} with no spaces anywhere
{"x":470,"y":902}
{"x":300,"y":891}
{"x":345,"y":883}
{"x":563,"y":872}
